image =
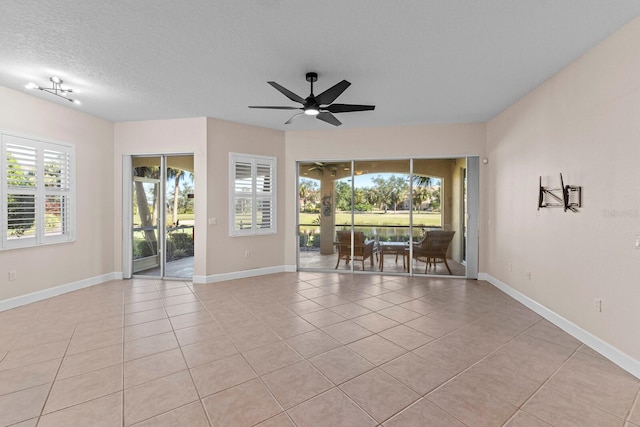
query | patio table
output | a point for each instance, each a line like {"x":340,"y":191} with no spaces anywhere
{"x":396,"y":248}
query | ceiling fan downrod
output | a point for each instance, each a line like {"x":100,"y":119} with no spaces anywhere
{"x":312,"y":77}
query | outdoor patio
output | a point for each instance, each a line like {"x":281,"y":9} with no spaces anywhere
{"x":314,"y":260}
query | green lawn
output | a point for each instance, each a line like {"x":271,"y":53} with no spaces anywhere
{"x":427,"y":219}
{"x":401,"y":218}
{"x":186,"y":216}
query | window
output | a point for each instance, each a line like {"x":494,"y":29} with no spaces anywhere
{"x":253,"y":195}
{"x":37,"y":192}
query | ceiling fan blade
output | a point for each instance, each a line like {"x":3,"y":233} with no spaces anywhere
{"x":286,"y":92}
{"x":330,"y":95}
{"x":346,"y":108}
{"x":274,"y":108}
{"x":329,"y":118}
{"x":293,"y":117}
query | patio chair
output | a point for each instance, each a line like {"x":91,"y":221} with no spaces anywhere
{"x":433,"y":247}
{"x":361,"y":249}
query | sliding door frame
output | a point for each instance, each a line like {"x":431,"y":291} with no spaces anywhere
{"x":472,"y":204}
{"x":127,"y":215}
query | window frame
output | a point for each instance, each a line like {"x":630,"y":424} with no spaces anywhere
{"x":63,"y":191}
{"x":253,"y":194}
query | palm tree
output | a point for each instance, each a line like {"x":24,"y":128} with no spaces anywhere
{"x":422,"y":181}
{"x":303,"y":193}
{"x":177,"y":175}
{"x":147,"y":220}
{"x":372,"y":196}
{"x":395,"y":196}
{"x":420,"y":194}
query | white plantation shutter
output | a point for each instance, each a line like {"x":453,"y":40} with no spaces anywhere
{"x":57,"y":188}
{"x":252,"y":195}
{"x":264,"y":194}
{"x":37,"y":192}
{"x":20,"y":198}
{"x":243,"y":190}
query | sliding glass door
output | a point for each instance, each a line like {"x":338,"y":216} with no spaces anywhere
{"x":401,"y":216}
{"x":382,"y":210}
{"x":162,"y":229}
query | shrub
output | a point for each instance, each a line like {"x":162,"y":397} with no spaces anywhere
{"x":145,"y":248}
{"x":179,"y":245}
{"x":363,"y":207}
{"x":179,"y":253}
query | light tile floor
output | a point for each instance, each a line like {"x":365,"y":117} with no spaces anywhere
{"x":305,"y":349}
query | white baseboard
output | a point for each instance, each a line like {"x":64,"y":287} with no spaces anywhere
{"x":214,"y":278}
{"x":21,"y":300}
{"x":618,"y":357}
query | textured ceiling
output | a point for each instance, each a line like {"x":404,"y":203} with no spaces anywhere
{"x":418,"y":61}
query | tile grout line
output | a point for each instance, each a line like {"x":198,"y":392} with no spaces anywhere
{"x":200,"y":402}
{"x":336,"y":386}
{"x":375,"y":366}
{"x":379,"y":367}
{"x":182,"y":354}
{"x":241,"y":298}
{"x":44,"y":404}
{"x":146,"y":382}
{"x":286,"y":411}
{"x":201,"y":398}
{"x":577,"y":351}
{"x":473,"y":365}
{"x":537,"y":390}
{"x":634,"y":405}
{"x":55,"y":378}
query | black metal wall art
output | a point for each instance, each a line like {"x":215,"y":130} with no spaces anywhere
{"x":568,"y":197}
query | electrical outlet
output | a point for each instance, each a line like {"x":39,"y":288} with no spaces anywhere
{"x":246,"y":254}
{"x":597,"y":304}
{"x":12,"y":275}
{"x":528,"y":275}
{"x":510,"y":267}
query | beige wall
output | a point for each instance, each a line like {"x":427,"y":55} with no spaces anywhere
{"x":585,"y":123}
{"x":454,"y":140}
{"x":211,"y":141}
{"x":91,"y":255}
{"x":179,"y":136}
{"x":227,"y":254}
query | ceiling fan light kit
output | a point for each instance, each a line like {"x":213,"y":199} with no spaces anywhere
{"x":320,"y":105}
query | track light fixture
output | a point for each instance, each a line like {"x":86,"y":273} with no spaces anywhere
{"x":55,"y":89}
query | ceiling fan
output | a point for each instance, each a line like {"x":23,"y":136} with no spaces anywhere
{"x":320,"y":105}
